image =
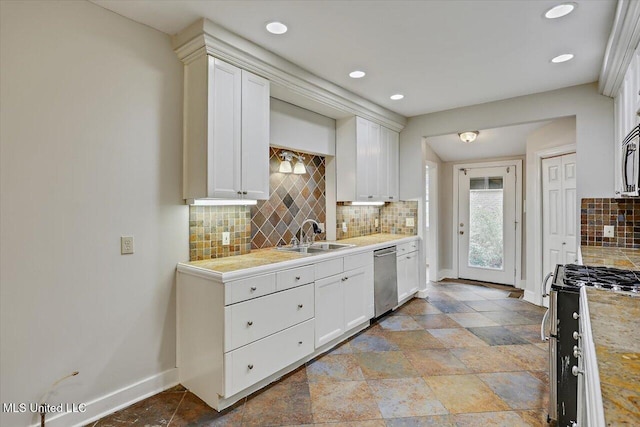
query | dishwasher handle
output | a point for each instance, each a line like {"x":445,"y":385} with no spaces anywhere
{"x":385,"y":254}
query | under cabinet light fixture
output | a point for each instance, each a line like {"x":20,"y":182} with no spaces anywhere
{"x":221,"y":202}
{"x":366,"y":203}
{"x":468,"y":136}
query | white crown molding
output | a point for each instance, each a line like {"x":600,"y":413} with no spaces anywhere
{"x":205,"y":37}
{"x":622,"y":43}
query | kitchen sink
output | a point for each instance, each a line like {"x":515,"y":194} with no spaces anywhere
{"x":315,"y":248}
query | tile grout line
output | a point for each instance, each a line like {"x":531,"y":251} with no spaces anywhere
{"x":177,"y":407}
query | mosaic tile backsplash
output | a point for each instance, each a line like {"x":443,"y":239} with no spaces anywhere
{"x":206,"y":225}
{"x":360,"y":220}
{"x":624,"y":214}
{"x":294,"y":198}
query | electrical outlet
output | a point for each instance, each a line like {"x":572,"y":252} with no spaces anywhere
{"x":344,"y":227}
{"x":126,"y":245}
{"x":376,"y":223}
{"x":410,"y":222}
{"x":226,"y":237}
{"x":609,"y":231}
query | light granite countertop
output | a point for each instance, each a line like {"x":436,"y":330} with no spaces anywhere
{"x":263,"y":260}
{"x":625,"y":258}
{"x":614,"y":326}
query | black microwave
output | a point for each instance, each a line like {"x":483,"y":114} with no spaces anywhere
{"x":631,"y":163}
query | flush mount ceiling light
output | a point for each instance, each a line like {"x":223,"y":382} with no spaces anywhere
{"x":285,"y":165}
{"x":562,"y":58}
{"x":276,"y":27}
{"x":468,"y":136}
{"x":560,"y":10}
{"x":357,"y":74}
{"x":397,"y":96}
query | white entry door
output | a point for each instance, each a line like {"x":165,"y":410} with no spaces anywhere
{"x":487,"y":224}
{"x":559,"y":212}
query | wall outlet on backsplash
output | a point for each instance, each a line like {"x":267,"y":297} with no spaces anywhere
{"x":410,"y":222}
{"x":376,"y":223}
{"x":225,"y":238}
{"x":609,"y":231}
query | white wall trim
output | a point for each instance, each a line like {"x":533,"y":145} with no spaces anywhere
{"x":623,"y":41}
{"x":203,"y":36}
{"x":116,"y":400}
{"x":519,"y":172}
{"x":531,"y":297}
{"x":445,"y":274}
{"x":534,"y":218}
{"x":432,"y":243}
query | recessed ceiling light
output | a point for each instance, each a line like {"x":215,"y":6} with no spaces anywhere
{"x":276,"y":27}
{"x":357,"y":74}
{"x":397,"y":96}
{"x":562,"y":58}
{"x":560,"y":10}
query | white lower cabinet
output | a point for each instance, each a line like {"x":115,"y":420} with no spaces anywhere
{"x":408,"y":275}
{"x":250,"y":364}
{"x":344,"y":301}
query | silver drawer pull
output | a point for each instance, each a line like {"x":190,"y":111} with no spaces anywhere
{"x":300,"y":305}
{"x":344,"y":278}
{"x":299,"y":342}
{"x":250,"y":322}
{"x":408,"y":257}
{"x":253,"y":289}
{"x":250,"y":366}
{"x":297,"y":277}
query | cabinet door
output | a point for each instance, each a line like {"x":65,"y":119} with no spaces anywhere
{"x":393,"y":156}
{"x":413,"y":273}
{"x":373,"y":162}
{"x":358,"y":296}
{"x":403,"y":279}
{"x":329,"y":309}
{"x":224,"y":128}
{"x":362,"y":159}
{"x":255,"y":137}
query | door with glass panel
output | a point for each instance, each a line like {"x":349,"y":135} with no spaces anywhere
{"x":487,"y":224}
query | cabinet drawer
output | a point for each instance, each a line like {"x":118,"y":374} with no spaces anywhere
{"x":252,"y":320}
{"x":254,"y":362}
{"x":329,"y":268}
{"x":405,"y":248}
{"x":252,"y":287}
{"x":358,"y":260}
{"x":294,"y":277}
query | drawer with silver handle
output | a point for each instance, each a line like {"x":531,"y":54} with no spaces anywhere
{"x":286,"y":279}
{"x":251,"y":287}
{"x":255,"y":319}
{"x":256,"y":361}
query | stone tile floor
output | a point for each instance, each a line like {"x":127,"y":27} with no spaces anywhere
{"x":469,"y":356}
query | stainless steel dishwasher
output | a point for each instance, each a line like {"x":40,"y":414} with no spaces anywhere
{"x":385,"y":280}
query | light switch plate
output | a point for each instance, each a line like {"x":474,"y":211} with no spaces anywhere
{"x":411,"y":222}
{"x":225,"y":238}
{"x":609,"y":231}
{"x":126,"y":245}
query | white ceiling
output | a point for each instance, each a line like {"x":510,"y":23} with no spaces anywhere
{"x":505,"y":141}
{"x":440,"y":54}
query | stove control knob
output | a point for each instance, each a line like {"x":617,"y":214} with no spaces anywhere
{"x":574,"y":424}
{"x":576,"y":351}
{"x":575,"y":371}
{"x":575,"y":315}
{"x":576,"y":335}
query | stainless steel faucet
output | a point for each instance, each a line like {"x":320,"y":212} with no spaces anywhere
{"x":316,"y":230}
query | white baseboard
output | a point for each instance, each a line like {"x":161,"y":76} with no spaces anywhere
{"x":116,"y":400}
{"x":445,"y":274}
{"x":531,"y":297}
{"x":422,"y":293}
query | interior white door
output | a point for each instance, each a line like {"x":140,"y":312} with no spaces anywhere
{"x":559,"y":212}
{"x":487,"y":224}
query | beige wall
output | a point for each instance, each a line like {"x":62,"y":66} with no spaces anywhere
{"x":91,"y":149}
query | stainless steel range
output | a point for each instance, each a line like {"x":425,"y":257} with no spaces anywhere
{"x":560,"y":328}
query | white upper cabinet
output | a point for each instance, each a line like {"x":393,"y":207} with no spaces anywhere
{"x":226,"y":132}
{"x":366,"y":161}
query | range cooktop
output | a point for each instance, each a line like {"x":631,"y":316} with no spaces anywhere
{"x":614,"y":279}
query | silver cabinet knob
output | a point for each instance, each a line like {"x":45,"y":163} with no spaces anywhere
{"x":299,"y":342}
{"x":249,"y":323}
{"x":239,"y":192}
{"x":297,"y":277}
{"x":575,"y":335}
{"x":253,"y":289}
{"x":461,"y":232}
{"x":300,"y":305}
{"x":250,"y":366}
{"x":575,"y":315}
{"x":462,"y":224}
{"x":369,"y":197}
{"x":244,"y":192}
{"x":575,"y":371}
